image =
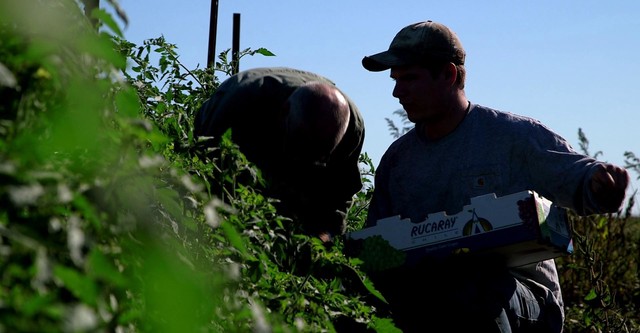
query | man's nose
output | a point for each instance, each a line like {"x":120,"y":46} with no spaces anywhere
{"x":398,"y":91}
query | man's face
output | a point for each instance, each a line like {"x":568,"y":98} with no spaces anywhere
{"x":421,"y":94}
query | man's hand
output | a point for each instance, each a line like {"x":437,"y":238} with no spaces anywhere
{"x":325,"y":237}
{"x":608,"y":184}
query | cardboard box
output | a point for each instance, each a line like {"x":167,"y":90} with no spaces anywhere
{"x":523,"y":227}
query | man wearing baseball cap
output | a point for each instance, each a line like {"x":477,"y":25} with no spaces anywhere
{"x":459,"y":150}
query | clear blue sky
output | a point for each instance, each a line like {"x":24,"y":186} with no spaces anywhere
{"x":570,"y":64}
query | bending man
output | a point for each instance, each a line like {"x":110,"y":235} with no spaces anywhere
{"x":302,"y":132}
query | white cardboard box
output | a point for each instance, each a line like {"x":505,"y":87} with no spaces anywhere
{"x":524,"y":227}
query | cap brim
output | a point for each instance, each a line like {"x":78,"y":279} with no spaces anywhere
{"x":382,"y":61}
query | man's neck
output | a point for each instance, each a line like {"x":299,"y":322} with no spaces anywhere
{"x":442,"y":127}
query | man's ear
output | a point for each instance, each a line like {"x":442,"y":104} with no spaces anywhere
{"x":451,"y":73}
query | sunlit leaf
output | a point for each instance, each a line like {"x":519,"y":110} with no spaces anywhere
{"x":591,"y":295}
{"x":264,"y":52}
{"x":174,"y":294}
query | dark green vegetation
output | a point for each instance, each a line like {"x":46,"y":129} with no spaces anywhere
{"x":112,"y":218}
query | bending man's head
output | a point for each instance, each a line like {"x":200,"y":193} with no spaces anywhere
{"x":317,"y":117}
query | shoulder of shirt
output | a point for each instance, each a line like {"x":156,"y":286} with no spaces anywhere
{"x":399,"y":143}
{"x":503,"y":116}
{"x":283,"y":72}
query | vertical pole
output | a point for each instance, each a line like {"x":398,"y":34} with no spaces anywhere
{"x":213,"y":31}
{"x":235,"y":51}
{"x":89,"y":6}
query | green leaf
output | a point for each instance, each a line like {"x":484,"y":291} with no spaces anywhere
{"x":37,"y":303}
{"x":235,"y":239}
{"x":81,"y":203}
{"x":99,"y":266}
{"x":128,"y":103}
{"x":591,"y":295}
{"x":80,"y":285}
{"x":103,"y":48}
{"x":191,"y":224}
{"x":385,"y":325}
{"x":264,"y":52}
{"x":170,"y":202}
{"x":106,"y":18}
{"x":174,"y":294}
{"x":369,"y":286}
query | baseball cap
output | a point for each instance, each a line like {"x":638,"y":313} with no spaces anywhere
{"x":418,"y":43}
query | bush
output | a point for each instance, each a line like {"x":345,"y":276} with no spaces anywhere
{"x":114,"y":218}
{"x":601,"y":280}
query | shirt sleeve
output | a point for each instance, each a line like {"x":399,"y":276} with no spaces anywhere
{"x":557,"y":171}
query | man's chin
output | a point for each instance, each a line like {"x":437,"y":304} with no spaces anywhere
{"x":412,"y":118}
